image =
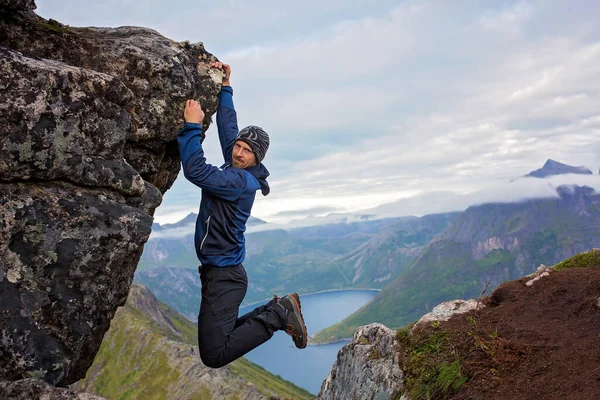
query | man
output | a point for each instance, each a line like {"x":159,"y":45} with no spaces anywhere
{"x":227,"y":197}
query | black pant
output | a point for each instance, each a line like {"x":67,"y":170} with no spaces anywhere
{"x":222,"y":336}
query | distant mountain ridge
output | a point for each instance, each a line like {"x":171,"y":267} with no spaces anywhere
{"x":394,"y":248}
{"x":191,"y":219}
{"x":365,"y":254}
{"x":552,"y":167}
{"x":495,"y":242}
{"x":362,"y":254}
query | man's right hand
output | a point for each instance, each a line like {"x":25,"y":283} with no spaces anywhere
{"x":193,"y":112}
{"x":224,"y":67}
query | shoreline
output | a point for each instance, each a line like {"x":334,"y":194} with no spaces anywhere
{"x":311,"y":293}
{"x":330,"y":342}
{"x":342,"y":290}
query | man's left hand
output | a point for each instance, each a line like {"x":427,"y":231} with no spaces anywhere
{"x":193,"y":112}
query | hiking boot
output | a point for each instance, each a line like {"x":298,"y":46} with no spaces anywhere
{"x":295,"y":321}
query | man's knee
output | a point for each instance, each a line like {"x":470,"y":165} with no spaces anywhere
{"x":212,"y":360}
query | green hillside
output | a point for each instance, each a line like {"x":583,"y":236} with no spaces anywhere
{"x":150,"y":353}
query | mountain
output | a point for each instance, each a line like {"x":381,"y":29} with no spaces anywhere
{"x":189,"y":219}
{"x":253,"y":221}
{"x":365,"y":254}
{"x":552,"y":167}
{"x":532,"y":338}
{"x":392,"y":249}
{"x":341,"y":227}
{"x":150,"y":352}
{"x":281,"y":261}
{"x":490,"y":242}
{"x":188,"y":223}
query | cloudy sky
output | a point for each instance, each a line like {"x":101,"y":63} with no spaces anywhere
{"x":371,"y":102}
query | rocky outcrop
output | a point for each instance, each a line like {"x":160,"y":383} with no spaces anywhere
{"x":446,"y":310}
{"x":366,"y":368}
{"x":35,"y":389}
{"x":540,"y":273}
{"x":88,"y":120}
{"x":18,"y":5}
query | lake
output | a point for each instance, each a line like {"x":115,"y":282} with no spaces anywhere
{"x":308,"y":367}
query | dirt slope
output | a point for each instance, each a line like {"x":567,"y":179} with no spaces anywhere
{"x":529,"y":342}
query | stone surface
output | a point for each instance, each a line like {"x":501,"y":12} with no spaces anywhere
{"x":366,"y":368}
{"x":444,"y":311}
{"x":541,"y":272}
{"x":35,"y":389}
{"x":145,"y":75}
{"x":19,"y":5}
{"x":88,"y":121}
{"x":64,"y":123}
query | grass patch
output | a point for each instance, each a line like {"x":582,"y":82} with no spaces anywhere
{"x":188,"y":329}
{"x":431,"y":366}
{"x":129,"y":371}
{"x":590,"y":259}
{"x":363,"y":340}
{"x":55,"y":28}
{"x":450,"y":378}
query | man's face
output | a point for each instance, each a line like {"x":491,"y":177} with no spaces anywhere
{"x":242,"y":155}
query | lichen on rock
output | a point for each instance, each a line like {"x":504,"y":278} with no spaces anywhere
{"x":18,"y":5}
{"x":34,"y":389}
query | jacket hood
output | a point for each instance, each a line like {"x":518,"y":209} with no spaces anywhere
{"x":261,"y":173}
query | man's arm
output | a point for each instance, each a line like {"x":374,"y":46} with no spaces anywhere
{"x":226,"y":116}
{"x":228,"y":184}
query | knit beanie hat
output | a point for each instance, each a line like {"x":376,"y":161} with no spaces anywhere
{"x":257,"y":139}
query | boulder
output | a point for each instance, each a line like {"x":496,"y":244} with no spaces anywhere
{"x":35,"y":389}
{"x":444,"y":311}
{"x":88,"y":124}
{"x":18,"y":5}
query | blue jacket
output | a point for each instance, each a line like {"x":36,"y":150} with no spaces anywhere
{"x":227,"y":192}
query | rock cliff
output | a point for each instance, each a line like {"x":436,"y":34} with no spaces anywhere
{"x":88,"y":120}
{"x":366,"y":368}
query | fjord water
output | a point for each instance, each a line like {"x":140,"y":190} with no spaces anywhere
{"x":308,"y":367}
